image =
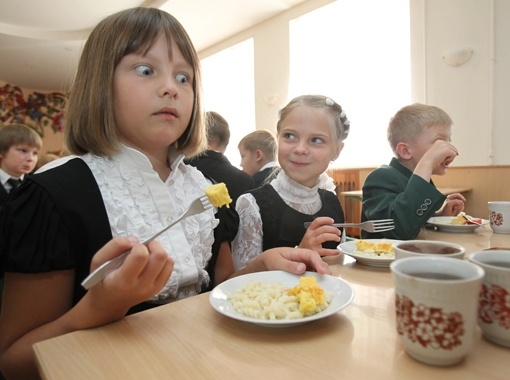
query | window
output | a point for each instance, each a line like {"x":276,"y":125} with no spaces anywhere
{"x":228,"y":84}
{"x":358,"y":53}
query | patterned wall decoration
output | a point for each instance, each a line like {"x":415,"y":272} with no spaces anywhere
{"x":37,"y":110}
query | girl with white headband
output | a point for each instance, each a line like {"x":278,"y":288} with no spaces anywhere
{"x":311,"y":130}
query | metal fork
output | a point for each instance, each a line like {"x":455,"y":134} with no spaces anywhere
{"x":196,"y":207}
{"x":369,"y":226}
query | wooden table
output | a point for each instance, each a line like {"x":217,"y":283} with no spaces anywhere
{"x":190,"y":340}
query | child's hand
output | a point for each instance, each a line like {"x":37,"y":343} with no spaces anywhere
{"x":436,"y":160}
{"x":293,"y":260}
{"x":142,"y":275}
{"x":453,"y":204}
{"x":321,"y":231}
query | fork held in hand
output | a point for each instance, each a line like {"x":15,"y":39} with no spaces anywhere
{"x":369,"y":226}
{"x":197,"y":206}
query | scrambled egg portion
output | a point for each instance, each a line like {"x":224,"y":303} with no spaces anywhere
{"x":374,"y":247}
{"x":460,"y":219}
{"x":218,"y":195}
{"x":310,"y":295}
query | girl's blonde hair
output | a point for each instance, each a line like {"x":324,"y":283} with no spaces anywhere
{"x":89,"y":118}
{"x":342,"y":124}
{"x":410,"y":121}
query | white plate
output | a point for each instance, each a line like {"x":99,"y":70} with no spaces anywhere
{"x":342,"y":295}
{"x":349,"y":248}
{"x":444,"y":223}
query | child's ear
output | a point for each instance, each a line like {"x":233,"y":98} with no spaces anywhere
{"x":259,"y":155}
{"x":338,"y":150}
{"x":404,"y":151}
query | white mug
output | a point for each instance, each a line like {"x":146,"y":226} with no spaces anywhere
{"x":499,"y":216}
{"x":494,"y":301}
{"x":419,"y":248}
{"x":436,"y":301}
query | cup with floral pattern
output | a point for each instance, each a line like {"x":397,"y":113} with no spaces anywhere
{"x":494,"y":301}
{"x":436,"y":301}
{"x":499,"y":216}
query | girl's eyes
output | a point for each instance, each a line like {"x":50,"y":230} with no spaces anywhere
{"x":182,"y":78}
{"x":317,"y":140}
{"x":144,"y":70}
{"x":313,"y":140}
{"x":289,"y":136}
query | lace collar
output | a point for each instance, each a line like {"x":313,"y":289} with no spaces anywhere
{"x":132,"y":157}
{"x":293,"y":192}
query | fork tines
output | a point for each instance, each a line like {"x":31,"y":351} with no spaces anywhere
{"x":383,"y":222}
{"x":383,"y":225}
{"x":206,"y":202}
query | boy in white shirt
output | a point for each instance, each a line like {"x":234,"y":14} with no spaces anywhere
{"x":258,"y":156}
{"x":19,"y":152}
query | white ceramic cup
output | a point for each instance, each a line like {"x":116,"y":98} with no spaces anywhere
{"x":494,"y":301}
{"x":436,"y":301}
{"x":419,"y":248}
{"x":499,"y":216}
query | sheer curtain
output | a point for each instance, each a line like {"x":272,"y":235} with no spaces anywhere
{"x":358,"y":53}
{"x":355,"y":51}
{"x":228,"y":84}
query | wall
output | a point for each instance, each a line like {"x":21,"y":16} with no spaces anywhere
{"x":489,"y":183}
{"x":475,"y":94}
{"x":271,"y":44}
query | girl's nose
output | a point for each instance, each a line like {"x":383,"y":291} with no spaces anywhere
{"x":168,"y":86}
{"x":301,"y":148}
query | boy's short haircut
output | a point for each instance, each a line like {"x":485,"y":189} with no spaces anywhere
{"x":409,"y":122}
{"x":263,"y":140}
{"x":217,"y":128}
{"x":14,"y":134}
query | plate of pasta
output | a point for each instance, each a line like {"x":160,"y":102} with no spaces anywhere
{"x":281,"y":299}
{"x":371,"y":252}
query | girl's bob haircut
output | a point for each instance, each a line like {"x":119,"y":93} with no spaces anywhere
{"x":89,"y":118}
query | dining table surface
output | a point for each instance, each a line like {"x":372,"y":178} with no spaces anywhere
{"x":189,"y":339}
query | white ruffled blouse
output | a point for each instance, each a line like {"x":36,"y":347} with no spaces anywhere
{"x":248,"y":243}
{"x":139,"y":203}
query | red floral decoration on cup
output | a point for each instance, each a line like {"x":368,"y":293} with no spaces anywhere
{"x":494,"y":305}
{"x":496,"y":218}
{"x":429,"y":326}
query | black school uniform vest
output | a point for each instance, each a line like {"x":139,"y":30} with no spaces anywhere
{"x":283,"y":226}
